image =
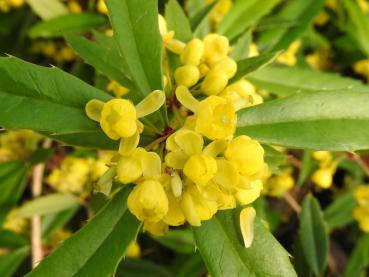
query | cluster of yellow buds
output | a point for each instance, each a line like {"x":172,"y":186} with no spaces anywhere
{"x":323,"y":176}
{"x":288,"y":57}
{"x":7,"y":5}
{"x":56,"y":51}
{"x":278,"y":184}
{"x":361,"y":212}
{"x":15,"y":224}
{"x":17,"y":145}
{"x":204,"y":167}
{"x":75,"y":173}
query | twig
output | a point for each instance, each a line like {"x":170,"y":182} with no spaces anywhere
{"x":36,"y":240}
{"x":292,"y":202}
{"x":360,"y":162}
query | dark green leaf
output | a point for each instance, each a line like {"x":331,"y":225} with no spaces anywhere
{"x":52,"y":222}
{"x":243,"y":15}
{"x":141,"y":268}
{"x":10,"y":262}
{"x":9,"y":239}
{"x":50,"y":101}
{"x":306,"y":169}
{"x":313,"y":235}
{"x":177,"y":21}
{"x":224,"y":254}
{"x":193,"y":266}
{"x":200,"y":16}
{"x":284,"y":81}
{"x":249,"y":65}
{"x":274,"y":158}
{"x":322,"y":121}
{"x":359,"y":259}
{"x":41,"y":155}
{"x":13,"y":176}
{"x":339,"y":213}
{"x":180,"y":241}
{"x":98,"y":247}
{"x":241,"y":48}
{"x":71,"y":23}
{"x":136,"y":31}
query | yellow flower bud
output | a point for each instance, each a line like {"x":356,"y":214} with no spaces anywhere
{"x":163,"y":29}
{"x":175,"y":46}
{"x":289,"y":56}
{"x":204,"y":69}
{"x":362,"y":195}
{"x":117,"y":89}
{"x":278,"y":185}
{"x":200,"y":169}
{"x":246,"y":196}
{"x":157,"y":229}
{"x":16,"y":3}
{"x":128,"y":169}
{"x":361,"y":214}
{"x":215,"y":118}
{"x":193,"y":52}
{"x":215,"y":81}
{"x":187,"y":75}
{"x":133,"y":250}
{"x":216,"y":47}
{"x":148,"y":201}
{"x":118,"y":119}
{"x":240,"y":94}
{"x":246,"y":154}
{"x":247,"y":217}
{"x":253,"y":50}
{"x":227,"y":65}
{"x":74,"y":7}
{"x":323,"y":177}
{"x":101,"y":7}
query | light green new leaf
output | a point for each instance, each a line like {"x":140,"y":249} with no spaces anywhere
{"x":53,"y":222}
{"x":136,"y":31}
{"x":339,"y":213}
{"x":243,"y":15}
{"x":102,"y":58}
{"x":359,"y":259}
{"x":360,"y":30}
{"x":177,"y":21}
{"x":75,"y":23}
{"x":50,"y":101}
{"x":47,"y":9}
{"x":48,"y":204}
{"x":221,"y":247}
{"x":336,"y":121}
{"x":300,"y":12}
{"x":242,"y":46}
{"x":284,"y":81}
{"x":199,"y":17}
{"x":248,"y":65}
{"x":9,"y":263}
{"x":13,"y":176}
{"x":313,"y":235}
{"x":97,"y":248}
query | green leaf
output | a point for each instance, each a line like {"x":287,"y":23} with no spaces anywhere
{"x":274,"y":158}
{"x":313,"y":235}
{"x":48,"y":204}
{"x":339,"y":213}
{"x":243,"y":15}
{"x":193,"y":266}
{"x":224,"y":254}
{"x":336,"y":121}
{"x":360,"y":21}
{"x":301,"y":12}
{"x":199,"y":17}
{"x":49,"y":101}
{"x":10,"y":262}
{"x":41,"y":155}
{"x":359,"y":259}
{"x":102,"y":58}
{"x":284,"y":81}
{"x":47,"y":9}
{"x":13,"y":176}
{"x":75,"y":23}
{"x":53,"y":222}
{"x":177,"y":21}
{"x":180,"y":241}
{"x":141,"y":268}
{"x":306,"y":169}
{"x":9,"y":239}
{"x":136,"y":31}
{"x":97,"y":248}
{"x":249,"y":65}
{"x":242,"y":46}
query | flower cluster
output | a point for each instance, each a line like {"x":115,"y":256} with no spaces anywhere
{"x":323,"y":176}
{"x":200,"y":166}
{"x":7,"y":5}
{"x":361,"y":213}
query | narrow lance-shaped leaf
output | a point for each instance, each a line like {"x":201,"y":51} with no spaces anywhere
{"x":224,"y":253}
{"x":313,"y":235}
{"x":177,"y":21}
{"x":49,"y":101}
{"x":337,"y":121}
{"x":47,"y":9}
{"x":136,"y":31}
{"x":96,"y":249}
{"x":9,"y":263}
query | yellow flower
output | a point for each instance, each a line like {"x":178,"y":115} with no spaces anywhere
{"x":119,"y":118}
{"x":250,"y":193}
{"x":362,"y":196}
{"x":278,"y":185}
{"x":364,"y":5}
{"x":15,"y":224}
{"x":323,"y":177}
{"x":187,"y":75}
{"x":361,"y":214}
{"x":74,"y":7}
{"x":156,"y":229}
{"x":289,"y":56}
{"x":247,"y":217}
{"x":117,"y":89}
{"x":215,"y":117}
{"x":195,"y":207}
{"x":101,"y":7}
{"x":193,"y":52}
{"x":246,"y":154}
{"x":200,"y":169}
{"x":362,"y":67}
{"x":227,"y":65}
{"x":219,"y":11}
{"x":215,"y":81}
{"x":175,"y":216}
{"x":216,"y":48}
{"x":133,"y":250}
{"x":148,"y":201}
{"x":253,"y":50}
